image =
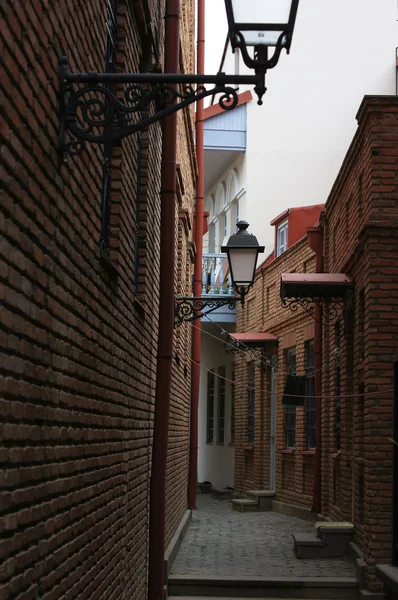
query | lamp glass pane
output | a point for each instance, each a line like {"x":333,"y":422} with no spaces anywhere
{"x":242,"y":263}
{"x":261,"y":11}
{"x":261,"y":38}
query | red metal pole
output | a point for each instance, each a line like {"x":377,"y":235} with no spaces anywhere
{"x":166,"y":319}
{"x":197,"y":279}
{"x":315,"y":235}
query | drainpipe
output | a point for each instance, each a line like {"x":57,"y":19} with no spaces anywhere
{"x":197,"y":278}
{"x":315,"y":235}
{"x":157,"y":514}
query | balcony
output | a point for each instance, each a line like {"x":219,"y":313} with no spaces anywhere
{"x":217,"y":282}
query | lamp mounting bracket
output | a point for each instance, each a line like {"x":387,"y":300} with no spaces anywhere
{"x":104,"y":108}
{"x":187,"y":309}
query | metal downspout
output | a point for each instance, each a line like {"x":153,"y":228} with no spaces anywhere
{"x":315,"y":235}
{"x":157,"y":524}
{"x":197,"y":280}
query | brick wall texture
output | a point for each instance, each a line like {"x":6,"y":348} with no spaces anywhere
{"x":78,"y":327}
{"x":360,"y":225}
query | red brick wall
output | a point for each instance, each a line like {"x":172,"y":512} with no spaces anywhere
{"x":78,"y":348}
{"x":361,"y":239}
{"x":263,"y":311}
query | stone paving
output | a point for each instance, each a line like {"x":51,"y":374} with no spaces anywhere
{"x":223,"y":542}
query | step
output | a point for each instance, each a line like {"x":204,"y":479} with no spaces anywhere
{"x":203,"y":488}
{"x":310,"y":588}
{"x":240,"y":598}
{"x":263,"y":498}
{"x":337,"y":537}
{"x":244,"y":505}
{"x":308,"y":545}
{"x":221,"y":493}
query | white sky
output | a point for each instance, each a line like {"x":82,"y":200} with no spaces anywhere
{"x":216,"y":28}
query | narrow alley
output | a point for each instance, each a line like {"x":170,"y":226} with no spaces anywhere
{"x":225,"y":546}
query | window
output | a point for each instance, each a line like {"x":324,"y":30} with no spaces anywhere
{"x":221,"y":405}
{"x":290,"y":411}
{"x":310,"y":414}
{"x":250,"y":404}
{"x":337,"y":390}
{"x":233,"y":407}
{"x":281,"y":239}
{"x":210,"y":408}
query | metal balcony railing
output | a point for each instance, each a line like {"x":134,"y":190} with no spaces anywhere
{"x":216,"y":280}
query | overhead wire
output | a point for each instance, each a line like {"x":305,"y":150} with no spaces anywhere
{"x":324,"y":397}
{"x":263,"y":360}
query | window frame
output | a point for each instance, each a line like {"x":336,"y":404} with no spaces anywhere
{"x":210,"y":407}
{"x":310,"y":402}
{"x":282,"y":228}
{"x":232,"y":421}
{"x":337,"y":383}
{"x":221,"y":405}
{"x":251,"y":377}
{"x":290,"y":410}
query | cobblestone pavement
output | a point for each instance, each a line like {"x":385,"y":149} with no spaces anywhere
{"x":224,"y":542}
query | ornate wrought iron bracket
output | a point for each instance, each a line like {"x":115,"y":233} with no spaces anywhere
{"x":187,"y":309}
{"x":91,"y":111}
{"x":331,"y":307}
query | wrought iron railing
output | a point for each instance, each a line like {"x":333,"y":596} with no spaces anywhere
{"x":216,"y":280}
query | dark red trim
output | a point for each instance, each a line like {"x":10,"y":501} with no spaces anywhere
{"x":212,"y":111}
{"x":168,"y":199}
{"x":315,"y":238}
{"x":197,"y":279}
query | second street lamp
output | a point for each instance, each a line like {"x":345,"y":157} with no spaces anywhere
{"x":242,"y":251}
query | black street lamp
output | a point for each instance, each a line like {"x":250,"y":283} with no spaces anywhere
{"x":91,"y":113}
{"x":242,"y":251}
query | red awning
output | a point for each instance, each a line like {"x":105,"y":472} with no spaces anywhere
{"x":315,"y":285}
{"x":255,"y":339}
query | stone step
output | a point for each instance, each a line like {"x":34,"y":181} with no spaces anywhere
{"x":221,"y":493}
{"x":244,"y":505}
{"x":309,"y":588}
{"x":337,"y":537}
{"x":263,"y":498}
{"x":330,"y":541}
{"x":308,"y":545}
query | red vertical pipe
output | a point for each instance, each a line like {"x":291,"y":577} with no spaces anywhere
{"x":197,"y":279}
{"x":157,"y":524}
{"x":316,"y":244}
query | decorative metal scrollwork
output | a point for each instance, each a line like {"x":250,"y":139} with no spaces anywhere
{"x":190,"y":309}
{"x":233,"y":347}
{"x":332,"y":308}
{"x":93,"y":110}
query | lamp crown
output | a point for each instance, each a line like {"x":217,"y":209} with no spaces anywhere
{"x":242,"y":226}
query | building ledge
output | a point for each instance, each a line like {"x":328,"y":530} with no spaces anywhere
{"x":389,"y":576}
{"x":315,"y":286}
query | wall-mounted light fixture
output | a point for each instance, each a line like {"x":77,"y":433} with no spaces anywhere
{"x":91,"y":113}
{"x":242,"y":251}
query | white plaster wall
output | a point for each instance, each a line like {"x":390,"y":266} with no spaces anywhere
{"x":296,"y":142}
{"x":215,"y":461}
{"x":239,"y":164}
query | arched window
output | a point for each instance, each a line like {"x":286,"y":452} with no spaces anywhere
{"x":220,"y":198}
{"x":233,"y":186}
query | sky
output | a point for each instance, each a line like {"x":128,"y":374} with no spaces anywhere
{"x":216,"y":28}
